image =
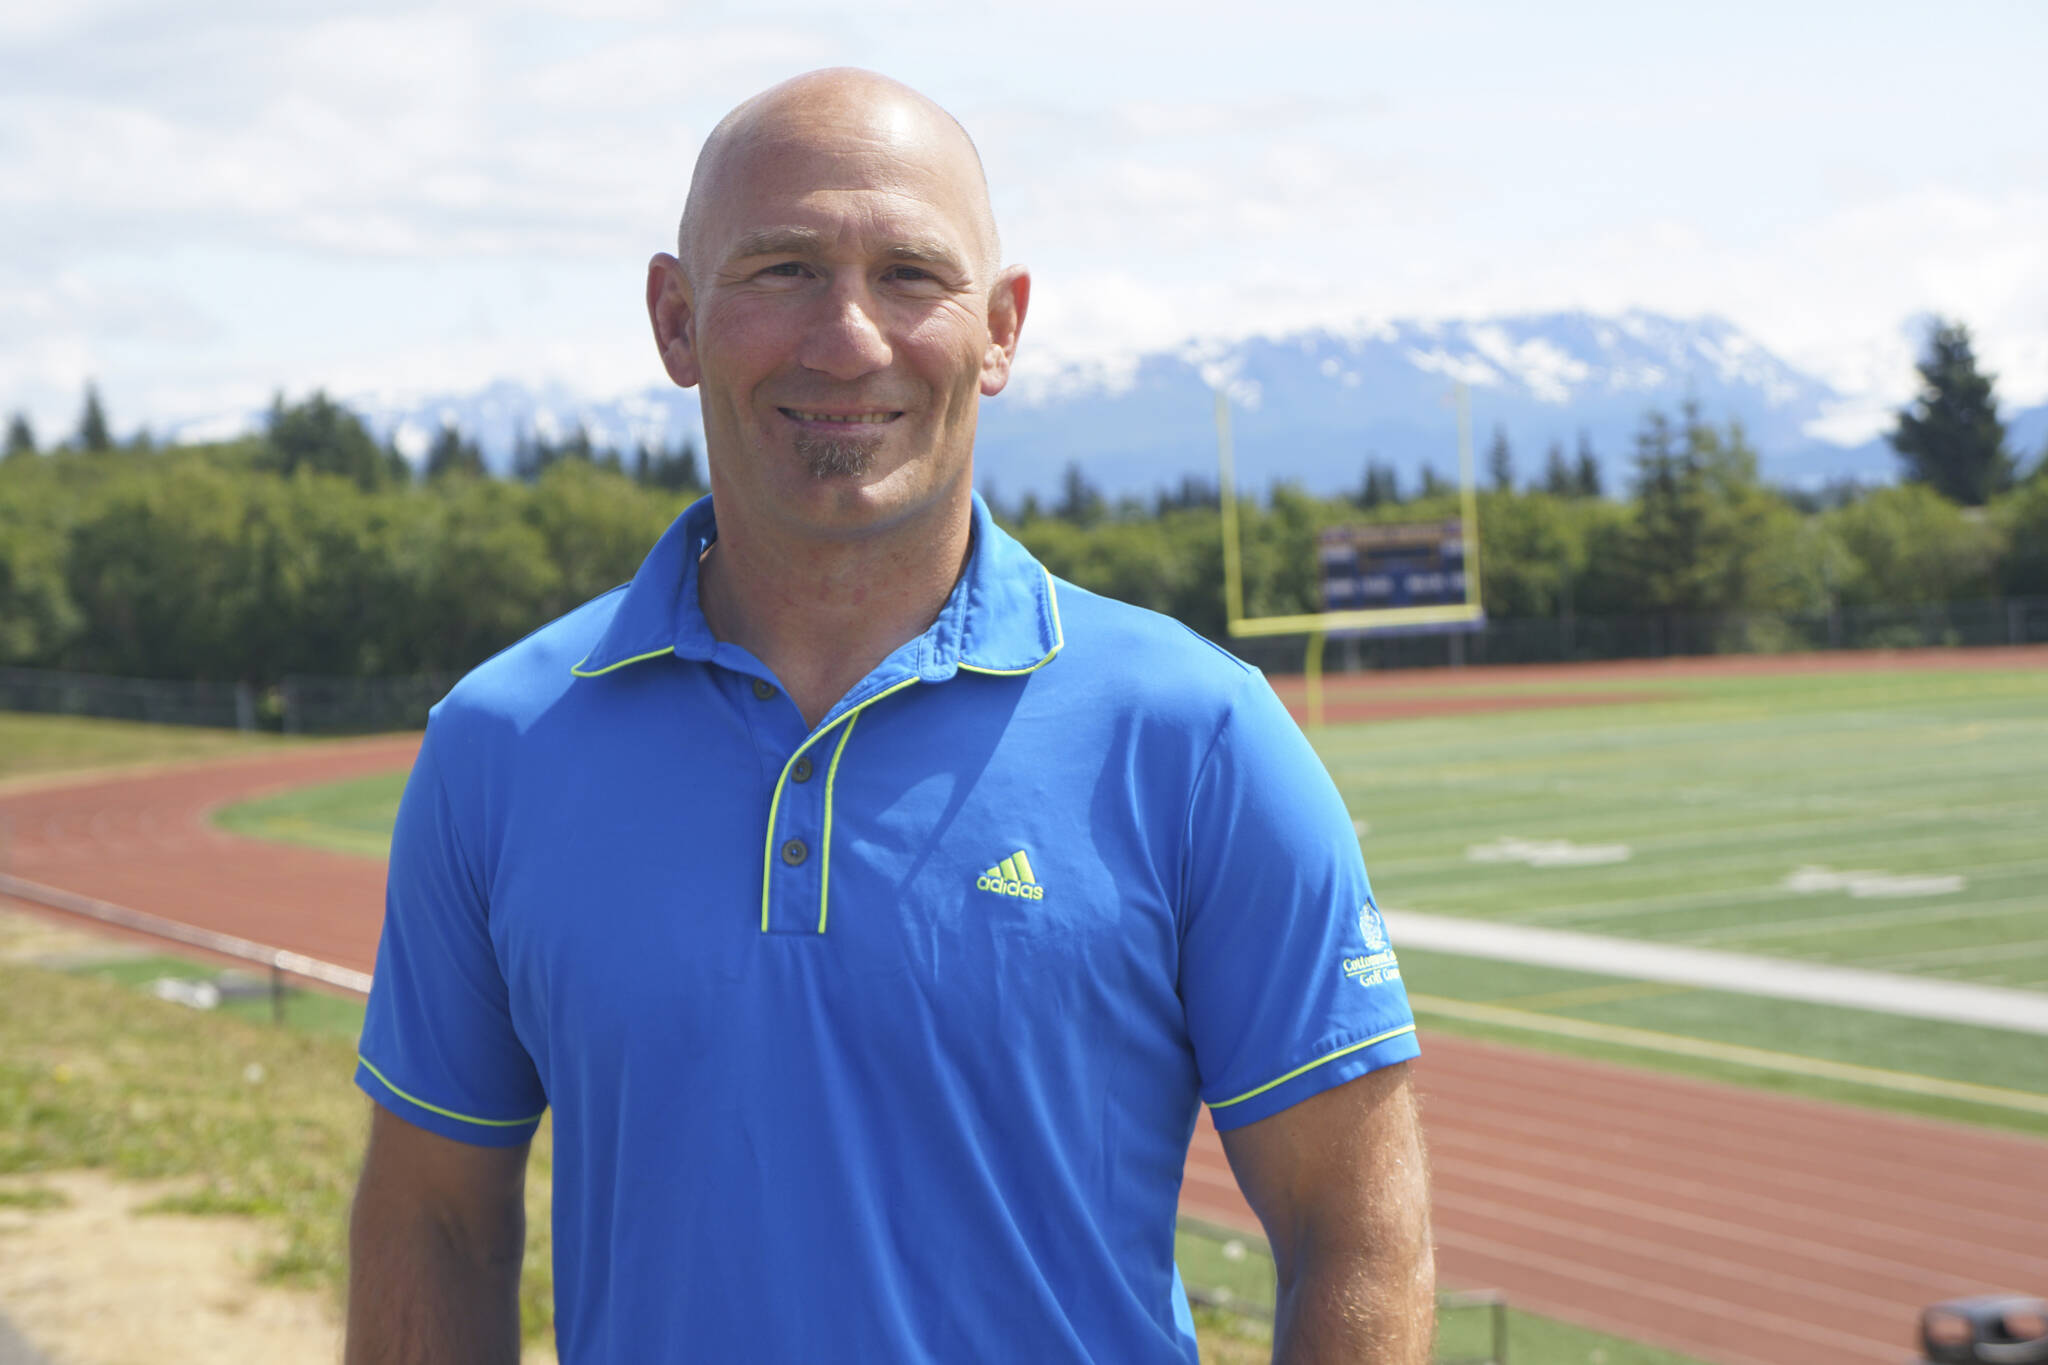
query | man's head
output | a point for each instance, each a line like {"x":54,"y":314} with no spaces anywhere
{"x":837,"y":298}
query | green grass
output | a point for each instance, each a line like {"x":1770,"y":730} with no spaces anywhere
{"x":355,"y":816}
{"x":260,"y":1120}
{"x":303,"y":1010}
{"x":1216,"y":1260}
{"x":1720,"y":795}
{"x":1790,"y":1029}
{"x":35,"y":746}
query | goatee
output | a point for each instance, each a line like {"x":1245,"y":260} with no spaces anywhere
{"x":835,"y":457}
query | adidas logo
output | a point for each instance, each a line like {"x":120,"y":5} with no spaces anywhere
{"x":1012,"y":877}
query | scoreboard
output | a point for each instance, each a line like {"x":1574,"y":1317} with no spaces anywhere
{"x":1413,"y":564}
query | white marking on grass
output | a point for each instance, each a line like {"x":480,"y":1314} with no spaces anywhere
{"x":1817,"y":983}
{"x":1875,"y":919}
{"x":1677,"y":1045}
{"x":1546,"y":852}
{"x":1953,"y":957}
{"x":1807,"y":881}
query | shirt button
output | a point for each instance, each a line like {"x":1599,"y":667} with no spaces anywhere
{"x":794,"y":852}
{"x":763,"y":688}
{"x":802,"y":771}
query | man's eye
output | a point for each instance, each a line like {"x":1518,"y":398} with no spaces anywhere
{"x":909,"y":272}
{"x":788,"y":269}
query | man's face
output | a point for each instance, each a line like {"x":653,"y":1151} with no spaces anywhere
{"x":839,"y":282}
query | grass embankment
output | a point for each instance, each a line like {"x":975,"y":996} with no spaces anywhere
{"x":37,"y":746}
{"x":260,"y":1120}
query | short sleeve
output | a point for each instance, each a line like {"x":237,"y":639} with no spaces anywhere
{"x":438,"y":1047}
{"x":1287,"y":977}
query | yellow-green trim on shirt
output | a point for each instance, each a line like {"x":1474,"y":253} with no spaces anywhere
{"x":371,"y":1067}
{"x":578,"y":669}
{"x":775,"y":802}
{"x":1340,"y":1052}
{"x":1059,"y":638}
{"x":831,"y":776}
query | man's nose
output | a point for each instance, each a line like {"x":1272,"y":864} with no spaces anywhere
{"x":846,"y":340}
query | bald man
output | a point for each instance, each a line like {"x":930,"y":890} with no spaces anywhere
{"x":873,"y":911}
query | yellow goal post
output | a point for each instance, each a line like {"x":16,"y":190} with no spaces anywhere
{"x":1317,"y":625}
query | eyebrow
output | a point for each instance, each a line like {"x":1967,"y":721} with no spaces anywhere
{"x":796,"y":241}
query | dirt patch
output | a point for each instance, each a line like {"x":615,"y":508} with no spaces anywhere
{"x":89,"y":1279}
{"x":92,"y":1282}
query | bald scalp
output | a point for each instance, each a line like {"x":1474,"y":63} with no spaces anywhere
{"x":814,"y":107}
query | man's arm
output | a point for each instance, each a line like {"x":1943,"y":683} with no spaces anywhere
{"x":1340,"y":1183}
{"x":435,"y":1244}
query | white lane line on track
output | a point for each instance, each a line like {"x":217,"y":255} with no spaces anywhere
{"x":1485,"y":1171}
{"x":1691,"y":1266}
{"x":1722,"y":1310}
{"x":1663,"y":1185}
{"x":1625,"y":1134}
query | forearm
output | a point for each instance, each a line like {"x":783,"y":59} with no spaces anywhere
{"x":1375,"y":1306}
{"x":423,"y":1291}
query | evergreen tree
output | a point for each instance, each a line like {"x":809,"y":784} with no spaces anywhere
{"x":323,"y":436}
{"x":674,"y":470}
{"x":21,"y":437}
{"x":1382,"y":487}
{"x":452,"y":454}
{"x":1193,"y":491}
{"x":1557,"y":473}
{"x":1587,"y":475}
{"x":1432,"y":485}
{"x":92,"y":424}
{"x":1080,"y":501}
{"x":1500,"y":462}
{"x":1950,"y":437}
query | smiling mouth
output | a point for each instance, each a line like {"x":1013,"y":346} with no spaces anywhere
{"x":852,"y":419}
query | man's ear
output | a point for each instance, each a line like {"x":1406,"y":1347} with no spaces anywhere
{"x":1007,"y":303}
{"x":674,"y":318}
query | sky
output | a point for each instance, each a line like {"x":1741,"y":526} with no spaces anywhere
{"x":203,"y":205}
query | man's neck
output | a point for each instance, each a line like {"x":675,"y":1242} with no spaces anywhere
{"x":823,"y":614}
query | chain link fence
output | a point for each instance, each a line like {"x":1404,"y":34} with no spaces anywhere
{"x":297,"y":705}
{"x":1589,"y":639}
{"x":342,"y":706}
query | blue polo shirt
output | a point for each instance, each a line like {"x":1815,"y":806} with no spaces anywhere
{"x":884,"y":1039}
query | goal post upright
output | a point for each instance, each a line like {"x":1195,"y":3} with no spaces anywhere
{"x":1317,"y":625}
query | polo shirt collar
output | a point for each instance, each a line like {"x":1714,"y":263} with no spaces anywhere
{"x":1002,"y":616}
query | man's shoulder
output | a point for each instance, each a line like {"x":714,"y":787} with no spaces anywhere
{"x":529,"y":676}
{"x":1149,"y":659}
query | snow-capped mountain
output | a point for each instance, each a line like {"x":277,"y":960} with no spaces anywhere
{"x":1313,"y":406}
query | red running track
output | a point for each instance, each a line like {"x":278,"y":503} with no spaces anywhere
{"x":1732,"y":1224}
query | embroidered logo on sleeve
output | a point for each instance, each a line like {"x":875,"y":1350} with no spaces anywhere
{"x":1376,"y":964}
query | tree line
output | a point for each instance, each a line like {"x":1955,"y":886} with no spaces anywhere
{"x":313,"y":549}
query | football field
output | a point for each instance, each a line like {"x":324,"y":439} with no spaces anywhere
{"x":1883,"y":820}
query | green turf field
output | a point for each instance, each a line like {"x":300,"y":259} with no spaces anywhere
{"x":33,"y":745}
{"x":1885,"y":820}
{"x":347,"y":817}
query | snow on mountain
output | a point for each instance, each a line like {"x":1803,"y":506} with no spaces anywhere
{"x":1311,"y":406}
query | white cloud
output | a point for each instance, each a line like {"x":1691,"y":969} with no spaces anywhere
{"x":1310,"y":172}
